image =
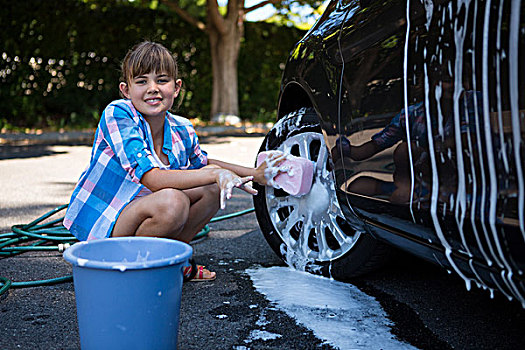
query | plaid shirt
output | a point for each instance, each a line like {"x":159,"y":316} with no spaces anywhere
{"x":122,"y":153}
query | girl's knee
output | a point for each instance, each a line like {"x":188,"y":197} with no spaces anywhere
{"x":169,"y":199}
{"x":172,"y":208}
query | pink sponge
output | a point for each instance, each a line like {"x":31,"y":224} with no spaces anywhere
{"x":296,"y":178}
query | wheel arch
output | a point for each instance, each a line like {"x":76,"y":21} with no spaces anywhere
{"x":293,"y":97}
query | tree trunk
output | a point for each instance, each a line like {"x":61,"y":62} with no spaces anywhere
{"x":225,"y":47}
{"x":225,"y":34}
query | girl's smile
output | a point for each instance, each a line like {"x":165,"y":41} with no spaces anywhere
{"x":154,"y":101}
{"x":152,"y":94}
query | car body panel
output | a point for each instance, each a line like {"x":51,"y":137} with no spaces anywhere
{"x":449,"y":184}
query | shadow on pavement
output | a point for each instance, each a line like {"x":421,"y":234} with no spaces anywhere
{"x":33,"y":151}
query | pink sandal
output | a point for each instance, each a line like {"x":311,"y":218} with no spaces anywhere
{"x":201,"y":275}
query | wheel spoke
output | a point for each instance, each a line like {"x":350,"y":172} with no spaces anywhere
{"x":320,"y":235}
{"x":274,"y":216}
{"x":335,"y":209}
{"x":303,"y":149}
{"x":287,"y":224}
{"x":321,"y":160}
{"x":282,"y":202}
{"x":286,"y":148}
{"x":304,"y":237}
{"x":336,"y":231}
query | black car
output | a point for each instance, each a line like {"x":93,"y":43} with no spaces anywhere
{"x":449,"y":185}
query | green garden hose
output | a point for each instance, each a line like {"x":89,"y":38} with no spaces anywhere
{"x":53,"y":236}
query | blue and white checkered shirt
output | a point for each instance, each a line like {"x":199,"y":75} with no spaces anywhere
{"x":122,"y":153}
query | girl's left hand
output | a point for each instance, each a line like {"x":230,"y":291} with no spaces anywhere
{"x":227,"y":180}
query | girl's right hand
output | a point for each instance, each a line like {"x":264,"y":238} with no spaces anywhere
{"x":227,"y":180}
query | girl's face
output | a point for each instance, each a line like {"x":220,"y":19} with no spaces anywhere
{"x":152,"y":94}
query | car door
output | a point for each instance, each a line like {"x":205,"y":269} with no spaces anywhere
{"x":372,"y":51}
{"x":451,"y":177}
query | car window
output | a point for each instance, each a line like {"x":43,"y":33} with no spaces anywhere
{"x":371,"y":48}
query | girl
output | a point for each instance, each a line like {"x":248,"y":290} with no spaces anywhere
{"x":148,"y":175}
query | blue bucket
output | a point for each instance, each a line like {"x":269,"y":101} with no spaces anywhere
{"x":128,"y":291}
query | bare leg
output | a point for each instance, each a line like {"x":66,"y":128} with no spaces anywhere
{"x":204,"y":204}
{"x":162,"y":214}
{"x":169,"y":213}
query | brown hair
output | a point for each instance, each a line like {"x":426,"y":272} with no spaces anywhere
{"x":148,"y":57}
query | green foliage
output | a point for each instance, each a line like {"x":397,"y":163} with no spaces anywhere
{"x":59,"y":64}
{"x":300,"y":14}
{"x":261,"y":62}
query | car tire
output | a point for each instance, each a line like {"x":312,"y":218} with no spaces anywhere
{"x":311,"y":233}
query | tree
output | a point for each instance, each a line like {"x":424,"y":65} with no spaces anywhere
{"x":59,"y":66}
{"x":225,"y":30}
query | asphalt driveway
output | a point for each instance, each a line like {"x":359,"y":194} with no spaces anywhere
{"x":429,"y":308}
